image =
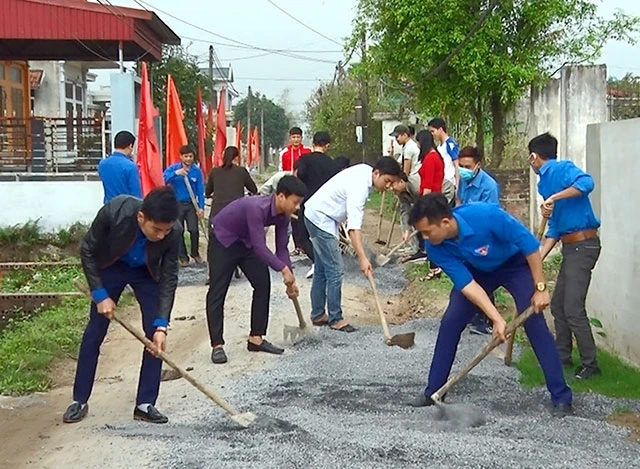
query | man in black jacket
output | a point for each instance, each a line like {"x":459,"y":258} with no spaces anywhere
{"x":135,"y":242}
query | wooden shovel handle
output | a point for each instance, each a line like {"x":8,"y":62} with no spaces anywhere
{"x":296,"y":305}
{"x":402,"y":243}
{"x":510,"y":329}
{"x":508,"y":354}
{"x":164,"y":357}
{"x":383,"y":319}
{"x":380,"y":216}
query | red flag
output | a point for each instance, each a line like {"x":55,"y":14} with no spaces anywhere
{"x":239,"y":136}
{"x":256,"y":142}
{"x":204,"y":163}
{"x":210,"y":134}
{"x":176,"y":135}
{"x":149,"y":161}
{"x":221,"y":128}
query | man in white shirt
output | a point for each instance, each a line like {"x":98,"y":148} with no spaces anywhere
{"x":448,"y":149}
{"x":341,"y":198}
{"x":410,"y":157}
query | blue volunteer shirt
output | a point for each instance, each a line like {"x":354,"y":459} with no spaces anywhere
{"x":488,"y":237}
{"x":569,"y":215}
{"x":135,"y":257}
{"x":179,"y":186}
{"x":482,"y":188}
{"x":119,"y":176}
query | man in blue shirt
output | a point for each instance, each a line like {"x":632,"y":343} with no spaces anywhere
{"x":145,"y":231}
{"x":476,"y":186}
{"x":565,"y":189}
{"x":174,"y":176}
{"x":118,"y":173}
{"x":481,"y":248}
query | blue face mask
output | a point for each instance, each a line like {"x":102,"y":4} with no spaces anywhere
{"x":466,"y":174}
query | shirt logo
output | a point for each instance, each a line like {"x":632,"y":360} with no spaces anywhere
{"x":483,"y":251}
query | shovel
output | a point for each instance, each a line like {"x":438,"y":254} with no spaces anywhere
{"x":382,"y":260}
{"x":484,"y":351}
{"x":194,"y":201}
{"x":243,"y":419}
{"x":508,"y":354}
{"x":401,"y":340}
{"x":294,"y":333}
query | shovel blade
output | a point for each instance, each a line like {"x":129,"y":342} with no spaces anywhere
{"x":245,"y":419}
{"x":404,"y":341}
{"x":382,"y":260}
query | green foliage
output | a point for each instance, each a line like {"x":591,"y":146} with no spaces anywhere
{"x":521,"y":43}
{"x":276,"y":121}
{"x":20,"y":237}
{"x":332,"y":108}
{"x":58,"y":279}
{"x":23,"y":241}
{"x":625,"y":93}
{"x":27,"y":348}
{"x":617,"y":380}
{"x":184,"y":69}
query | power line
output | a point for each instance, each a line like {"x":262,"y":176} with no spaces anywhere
{"x":286,"y":54}
{"x":303,"y":24}
{"x":271,"y":50}
{"x":279,"y":79}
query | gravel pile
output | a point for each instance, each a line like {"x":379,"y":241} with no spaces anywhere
{"x":338,"y":401}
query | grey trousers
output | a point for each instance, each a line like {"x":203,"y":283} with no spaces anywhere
{"x":568,"y":302}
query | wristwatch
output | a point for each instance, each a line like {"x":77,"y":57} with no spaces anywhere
{"x":541,"y":286}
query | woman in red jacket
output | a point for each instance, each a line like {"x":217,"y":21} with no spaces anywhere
{"x":431,"y":176}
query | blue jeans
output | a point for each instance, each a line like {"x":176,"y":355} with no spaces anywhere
{"x":516,"y":278}
{"x":327,"y":276}
{"x":114,"y":279}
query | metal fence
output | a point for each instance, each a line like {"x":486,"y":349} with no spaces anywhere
{"x":53,"y":145}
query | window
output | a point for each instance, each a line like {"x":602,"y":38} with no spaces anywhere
{"x":15,"y":73}
{"x":17,"y":102}
{"x":68,"y":90}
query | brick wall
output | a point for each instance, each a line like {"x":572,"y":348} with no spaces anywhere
{"x":514,"y":191}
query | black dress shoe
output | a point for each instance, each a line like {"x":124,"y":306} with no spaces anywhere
{"x":562,"y":410}
{"x":75,"y":412}
{"x":218,"y":356}
{"x":583,"y":372}
{"x":265,"y":346}
{"x":152,"y":415}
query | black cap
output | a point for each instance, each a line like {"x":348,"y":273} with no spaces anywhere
{"x":399,"y":129}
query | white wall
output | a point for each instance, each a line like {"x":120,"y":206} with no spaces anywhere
{"x":565,"y":107}
{"x":58,"y":204}
{"x":614,"y":296}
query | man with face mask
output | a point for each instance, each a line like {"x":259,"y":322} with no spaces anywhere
{"x":476,"y":185}
{"x":481,"y":248}
{"x":565,"y":189}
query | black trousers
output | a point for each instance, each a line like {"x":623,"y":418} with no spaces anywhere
{"x":301,"y":234}
{"x":569,"y":297}
{"x":222,"y":263}
{"x":188,"y":214}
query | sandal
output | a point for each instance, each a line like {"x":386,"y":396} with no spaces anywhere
{"x":345,"y":328}
{"x":434,"y":273}
{"x":322,"y":321}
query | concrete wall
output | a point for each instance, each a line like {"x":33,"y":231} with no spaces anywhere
{"x":57,"y":204}
{"x":565,"y":107}
{"x":614,"y":295}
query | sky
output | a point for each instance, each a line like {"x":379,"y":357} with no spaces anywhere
{"x":262,"y":24}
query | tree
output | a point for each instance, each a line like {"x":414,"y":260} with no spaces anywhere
{"x":464,"y":58}
{"x":624,"y":97}
{"x":332,"y":108}
{"x":276,"y":122}
{"x":183,"y":67}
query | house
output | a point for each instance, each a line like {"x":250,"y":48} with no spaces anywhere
{"x":222,"y":80}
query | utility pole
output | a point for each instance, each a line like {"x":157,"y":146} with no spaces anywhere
{"x":365,"y":101}
{"x":263,"y":153}
{"x":248,"y":120}
{"x":214,"y":103}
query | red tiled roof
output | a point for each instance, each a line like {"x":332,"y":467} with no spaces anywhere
{"x":79,"y":30}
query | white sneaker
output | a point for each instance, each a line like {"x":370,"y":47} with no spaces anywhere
{"x":310,"y":273}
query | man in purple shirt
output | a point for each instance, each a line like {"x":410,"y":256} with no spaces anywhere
{"x":239,"y":240}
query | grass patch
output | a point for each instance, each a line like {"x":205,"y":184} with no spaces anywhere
{"x":42,"y":280}
{"x":28,"y":347}
{"x":435,"y":287}
{"x":28,"y":241}
{"x":373,"y":203}
{"x":617,"y":380}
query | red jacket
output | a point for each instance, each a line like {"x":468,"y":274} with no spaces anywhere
{"x":431,"y":172}
{"x":290,"y":155}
